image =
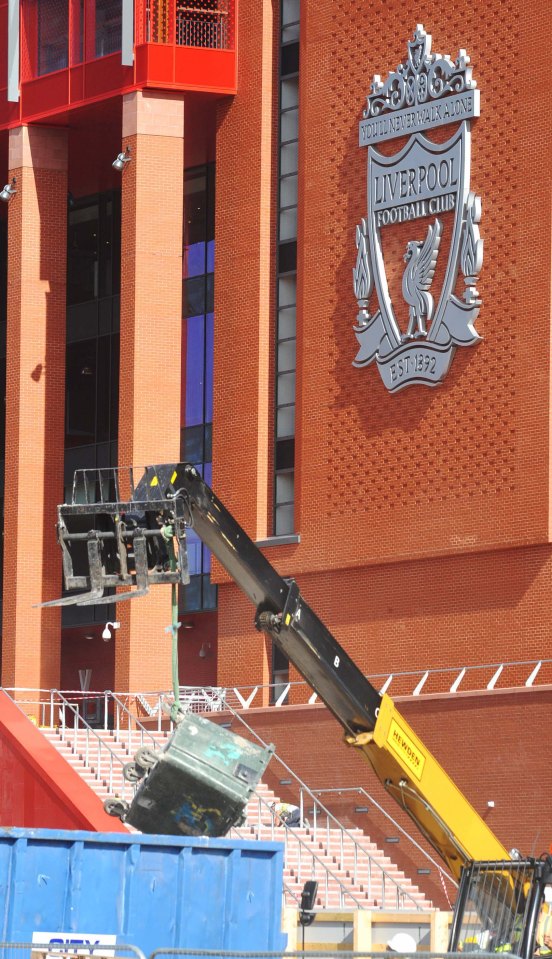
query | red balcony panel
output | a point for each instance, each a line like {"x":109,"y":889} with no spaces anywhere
{"x":104,"y":77}
{"x":77,"y":83}
{"x":180,"y":45}
{"x":45,"y":95}
{"x":159,"y":64}
{"x":197,"y":68}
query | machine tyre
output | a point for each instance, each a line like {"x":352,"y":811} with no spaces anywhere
{"x":133,"y":773}
{"x":116,"y":807}
{"x":146,"y":758}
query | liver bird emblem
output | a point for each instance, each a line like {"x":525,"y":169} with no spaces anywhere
{"x":421,"y":260}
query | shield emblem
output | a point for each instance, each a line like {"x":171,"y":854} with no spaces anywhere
{"x":421,"y":194}
{"x":421,"y":226}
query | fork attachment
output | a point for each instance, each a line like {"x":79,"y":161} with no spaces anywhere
{"x":115,"y":534}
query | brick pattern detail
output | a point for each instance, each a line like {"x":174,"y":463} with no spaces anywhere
{"x":150,"y":372}
{"x":464,"y":466}
{"x":35,"y":390}
{"x":440,"y":613}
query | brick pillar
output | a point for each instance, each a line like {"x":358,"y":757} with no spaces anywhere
{"x":244,"y":329}
{"x":35,"y":391}
{"x":151,"y":322}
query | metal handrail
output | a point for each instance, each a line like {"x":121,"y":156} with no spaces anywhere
{"x":360,"y":791}
{"x":133,"y":724}
{"x":102,"y":747}
{"x":277,"y":695}
{"x":207,"y":698}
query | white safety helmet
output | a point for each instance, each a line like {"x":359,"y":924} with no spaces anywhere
{"x":402,"y":942}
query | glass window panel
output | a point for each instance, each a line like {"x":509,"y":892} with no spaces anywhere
{"x":289,"y":157}
{"x":289,"y":93}
{"x":285,"y":389}
{"x":77,"y":39}
{"x":288,"y":224}
{"x":194,"y":449}
{"x":195,"y":209}
{"x":53,"y":33}
{"x":285,"y":422}
{"x":286,"y":322}
{"x":104,"y":389}
{"x":285,"y":454}
{"x":193,"y":543}
{"x":195,"y":370}
{"x":290,"y":11}
{"x":114,"y":388}
{"x":286,"y":356}
{"x":209,"y":356}
{"x":209,"y":293}
{"x":192,"y":594}
{"x":287,"y":291}
{"x":108,"y":26}
{"x":288,"y":191}
{"x":290,"y":33}
{"x":289,"y":59}
{"x":194,"y":259}
{"x":210,"y":256}
{"x":80,"y":393}
{"x":289,"y":125}
{"x":284,"y":488}
{"x":210,"y":595}
{"x":194,"y":296}
{"x":287,"y":257}
{"x":83,"y":254}
{"x":208,"y":455}
{"x":284,"y":520}
{"x":109,"y":251}
{"x":210,"y":201}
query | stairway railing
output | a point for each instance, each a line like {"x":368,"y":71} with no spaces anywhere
{"x":365,"y":866}
{"x":360,"y":791}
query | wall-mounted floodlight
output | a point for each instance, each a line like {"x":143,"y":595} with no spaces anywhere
{"x":8,"y":191}
{"x":106,"y":635}
{"x":121,"y":160}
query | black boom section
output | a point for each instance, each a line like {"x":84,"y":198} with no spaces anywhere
{"x":281,"y":611}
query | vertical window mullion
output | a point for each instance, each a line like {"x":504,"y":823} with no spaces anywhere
{"x":286,"y":297}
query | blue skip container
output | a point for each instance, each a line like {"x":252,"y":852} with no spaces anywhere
{"x":146,"y":891}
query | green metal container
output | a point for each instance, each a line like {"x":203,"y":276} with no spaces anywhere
{"x":200,"y":783}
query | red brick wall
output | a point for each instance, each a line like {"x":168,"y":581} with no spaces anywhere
{"x":423,"y":516}
{"x":35,"y":390}
{"x":151,"y":324}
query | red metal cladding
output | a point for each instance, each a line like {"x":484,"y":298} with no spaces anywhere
{"x":179,"y":45}
{"x":38,"y":787}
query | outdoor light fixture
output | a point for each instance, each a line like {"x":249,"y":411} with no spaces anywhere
{"x":8,"y":191}
{"x":121,"y":161}
{"x":106,"y":635}
{"x":205,"y":650}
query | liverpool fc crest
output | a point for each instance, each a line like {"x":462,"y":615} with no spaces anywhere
{"x":422,"y":212}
